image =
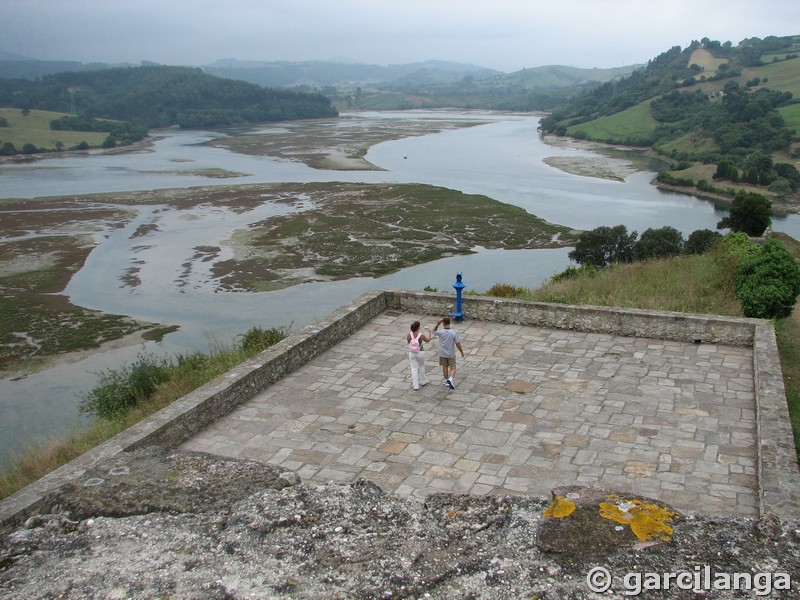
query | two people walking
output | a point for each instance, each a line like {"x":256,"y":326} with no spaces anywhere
{"x":449,"y":341}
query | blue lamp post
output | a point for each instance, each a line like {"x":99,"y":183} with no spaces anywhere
{"x":458,"y":285}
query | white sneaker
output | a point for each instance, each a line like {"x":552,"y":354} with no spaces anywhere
{"x":444,"y":382}
{"x":450,"y":383}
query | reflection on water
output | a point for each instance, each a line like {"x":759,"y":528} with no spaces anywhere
{"x":502,"y":160}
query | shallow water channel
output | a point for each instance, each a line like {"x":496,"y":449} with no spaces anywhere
{"x":502,"y":159}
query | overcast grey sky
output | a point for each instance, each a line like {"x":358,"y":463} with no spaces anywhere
{"x":507,"y":35}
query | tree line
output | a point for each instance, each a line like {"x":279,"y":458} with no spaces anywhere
{"x":159,"y":96}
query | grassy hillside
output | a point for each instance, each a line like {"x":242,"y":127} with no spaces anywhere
{"x":628,"y":126}
{"x":34,"y":128}
{"x":791,"y":114}
{"x":637,"y":121}
{"x":783,"y":75}
{"x":706,"y":60}
{"x":677,"y":76}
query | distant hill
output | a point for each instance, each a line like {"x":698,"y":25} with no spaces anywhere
{"x":322,"y":73}
{"x":12,"y":56}
{"x":16,"y":66}
{"x":555,"y":76}
{"x":157,"y":96}
{"x":367,"y":86}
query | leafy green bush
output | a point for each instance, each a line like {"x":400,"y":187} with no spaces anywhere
{"x":670,"y":179}
{"x":573,"y":273}
{"x":257,"y":339}
{"x":700,"y":241}
{"x":767,"y":281}
{"x":659,"y":243}
{"x":505,"y":290}
{"x":196,"y":361}
{"x":120,"y":390}
{"x":603,"y":246}
{"x":750,"y":213}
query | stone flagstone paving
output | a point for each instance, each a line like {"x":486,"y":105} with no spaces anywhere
{"x":533,"y":409}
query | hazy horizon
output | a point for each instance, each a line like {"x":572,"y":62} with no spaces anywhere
{"x":505,"y":35}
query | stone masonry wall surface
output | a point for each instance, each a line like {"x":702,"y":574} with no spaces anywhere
{"x":778,"y":477}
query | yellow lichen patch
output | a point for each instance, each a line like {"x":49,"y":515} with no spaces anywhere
{"x":559,"y":508}
{"x":647,"y":521}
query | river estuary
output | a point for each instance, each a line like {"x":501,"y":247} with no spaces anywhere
{"x":502,"y":158}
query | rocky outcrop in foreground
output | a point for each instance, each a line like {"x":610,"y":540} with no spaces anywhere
{"x":172,"y":524}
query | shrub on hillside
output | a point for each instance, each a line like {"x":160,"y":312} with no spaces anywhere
{"x":767,"y":281}
{"x":604,"y":245}
{"x":119,"y":390}
{"x":505,"y":290}
{"x":573,"y":273}
{"x":750,"y":213}
{"x":659,"y":243}
{"x":257,"y":339}
{"x":700,"y":241}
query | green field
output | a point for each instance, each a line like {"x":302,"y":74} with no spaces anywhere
{"x":634,"y":123}
{"x":791,"y":114}
{"x":691,"y":143}
{"x":34,"y":128}
{"x":783,"y":75}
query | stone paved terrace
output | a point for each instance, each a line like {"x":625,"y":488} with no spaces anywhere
{"x":534,"y":408}
{"x":689,"y":409}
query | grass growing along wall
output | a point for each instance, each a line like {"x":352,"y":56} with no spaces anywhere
{"x":693,"y":284}
{"x":788,"y":334}
{"x":183,"y":375}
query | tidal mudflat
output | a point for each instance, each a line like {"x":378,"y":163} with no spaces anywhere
{"x":338,"y":145}
{"x":317,"y":232}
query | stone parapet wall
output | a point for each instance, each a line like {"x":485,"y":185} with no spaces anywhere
{"x":628,"y":322}
{"x":183,"y":418}
{"x":178,"y":422}
{"x":779,"y":479}
{"x":778,"y":469}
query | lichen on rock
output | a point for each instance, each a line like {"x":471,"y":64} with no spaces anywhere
{"x":560,"y":507}
{"x":599,"y":522}
{"x":647,"y":520}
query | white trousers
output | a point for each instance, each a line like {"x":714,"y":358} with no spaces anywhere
{"x":417,"y":362}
